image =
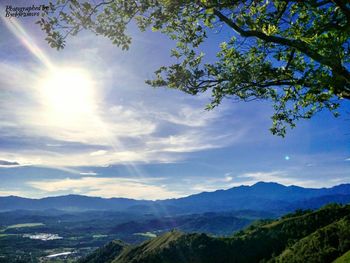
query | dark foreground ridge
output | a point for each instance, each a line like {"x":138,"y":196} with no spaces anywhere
{"x":303,"y":236}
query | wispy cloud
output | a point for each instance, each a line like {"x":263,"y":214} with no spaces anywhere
{"x":107,"y":187}
{"x":187,"y":115}
{"x":125,"y":132}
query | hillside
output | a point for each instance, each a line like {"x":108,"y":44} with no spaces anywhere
{"x":324,"y":245}
{"x":106,"y":253}
{"x":314,"y":236}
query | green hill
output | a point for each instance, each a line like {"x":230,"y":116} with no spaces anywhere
{"x":313,"y":236}
{"x":324,"y":245}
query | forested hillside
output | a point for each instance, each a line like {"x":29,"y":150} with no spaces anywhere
{"x":303,"y":236}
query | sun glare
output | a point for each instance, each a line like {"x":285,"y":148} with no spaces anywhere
{"x":67,"y":93}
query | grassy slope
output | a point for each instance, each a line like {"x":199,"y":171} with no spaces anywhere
{"x":174,"y":246}
{"x":324,"y":245}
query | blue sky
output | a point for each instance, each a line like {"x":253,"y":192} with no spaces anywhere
{"x":114,"y":136}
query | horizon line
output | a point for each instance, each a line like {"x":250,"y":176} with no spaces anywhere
{"x":185,"y":196}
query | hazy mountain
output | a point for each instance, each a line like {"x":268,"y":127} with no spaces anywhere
{"x":69,"y":202}
{"x":319,"y":236}
{"x":258,"y":197}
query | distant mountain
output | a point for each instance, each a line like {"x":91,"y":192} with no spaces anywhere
{"x":69,"y":202}
{"x":316,"y":236}
{"x":261,"y":196}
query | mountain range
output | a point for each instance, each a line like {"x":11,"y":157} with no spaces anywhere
{"x":261,"y":196}
{"x":217,"y":226}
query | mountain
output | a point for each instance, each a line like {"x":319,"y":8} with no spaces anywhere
{"x":258,"y":197}
{"x":263,"y":196}
{"x":68,"y":202}
{"x":314,"y":236}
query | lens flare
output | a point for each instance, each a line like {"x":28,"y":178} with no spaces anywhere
{"x":17,"y":29}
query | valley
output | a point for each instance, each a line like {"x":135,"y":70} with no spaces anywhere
{"x":61,"y":235}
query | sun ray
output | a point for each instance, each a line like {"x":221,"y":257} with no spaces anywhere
{"x":17,"y":29}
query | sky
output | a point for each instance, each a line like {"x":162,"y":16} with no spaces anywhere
{"x":82,"y":121}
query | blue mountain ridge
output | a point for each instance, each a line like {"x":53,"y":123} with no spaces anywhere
{"x":261,"y":196}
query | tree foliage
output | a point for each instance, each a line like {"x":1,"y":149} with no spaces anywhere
{"x":294,"y":53}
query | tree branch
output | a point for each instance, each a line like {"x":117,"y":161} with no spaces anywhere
{"x":299,"y":45}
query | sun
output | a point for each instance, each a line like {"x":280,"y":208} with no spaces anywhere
{"x":67,"y":93}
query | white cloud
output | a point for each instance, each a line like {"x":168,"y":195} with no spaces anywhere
{"x":88,"y":173}
{"x":228,"y":178}
{"x":71,"y":159}
{"x":99,"y":152}
{"x":107,"y":187}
